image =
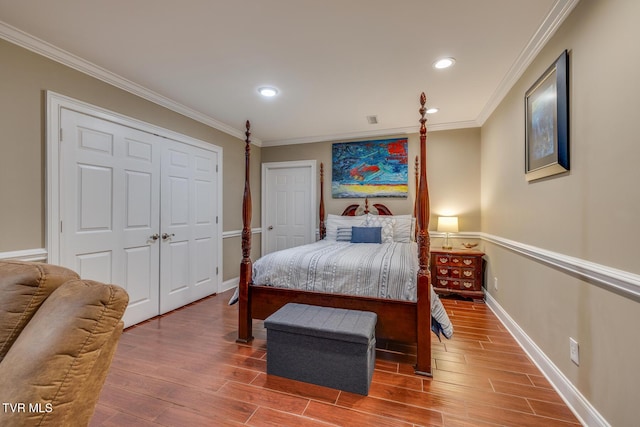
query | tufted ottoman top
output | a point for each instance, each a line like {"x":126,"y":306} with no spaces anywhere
{"x":324,"y":322}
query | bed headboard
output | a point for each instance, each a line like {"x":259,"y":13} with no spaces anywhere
{"x":351,"y":210}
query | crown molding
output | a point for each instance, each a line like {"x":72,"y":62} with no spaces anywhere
{"x":557,"y":15}
{"x":43,"y":48}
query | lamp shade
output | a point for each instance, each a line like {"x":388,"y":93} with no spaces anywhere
{"x":448,"y":224}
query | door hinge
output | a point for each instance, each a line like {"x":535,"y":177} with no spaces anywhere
{"x":216,"y":271}
{"x":216,"y":168}
{"x":216,"y":219}
{"x":60,"y":226}
{"x":60,"y":134}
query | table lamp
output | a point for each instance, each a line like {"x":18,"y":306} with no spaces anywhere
{"x":447,"y":224}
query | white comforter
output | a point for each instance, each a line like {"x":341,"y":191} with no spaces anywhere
{"x":387,"y":270}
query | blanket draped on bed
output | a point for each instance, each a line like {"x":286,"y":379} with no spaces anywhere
{"x":387,"y":270}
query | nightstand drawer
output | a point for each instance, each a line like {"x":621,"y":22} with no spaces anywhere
{"x":468,"y":273}
{"x":448,"y":283}
{"x":469,"y":261}
{"x":442,"y":272}
{"x":469,"y":285}
{"x":442,"y":260}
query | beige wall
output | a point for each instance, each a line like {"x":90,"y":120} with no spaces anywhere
{"x":24,"y":78}
{"x":590,"y":213}
{"x":453,"y":173}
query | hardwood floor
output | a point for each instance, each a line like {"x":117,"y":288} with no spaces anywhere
{"x":185,"y":369}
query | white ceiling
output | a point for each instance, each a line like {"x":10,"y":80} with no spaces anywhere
{"x":334,"y":61}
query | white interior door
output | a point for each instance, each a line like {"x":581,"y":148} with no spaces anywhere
{"x":109,"y":198}
{"x":189,"y":231}
{"x":288,"y":204}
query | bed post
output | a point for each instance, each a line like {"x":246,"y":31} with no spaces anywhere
{"x":322,"y":227}
{"x":245,"y":333}
{"x":423,"y":307}
{"x":415,"y":202}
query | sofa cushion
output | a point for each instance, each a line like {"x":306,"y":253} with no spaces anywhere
{"x":23,"y":288}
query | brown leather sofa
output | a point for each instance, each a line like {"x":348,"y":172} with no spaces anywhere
{"x":58,"y":334}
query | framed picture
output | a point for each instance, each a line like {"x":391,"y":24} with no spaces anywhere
{"x":370,"y":169}
{"x":547,"y":122}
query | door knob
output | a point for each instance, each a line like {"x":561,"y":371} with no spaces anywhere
{"x":154,"y":237}
{"x":270,"y":227}
{"x":166,"y":236}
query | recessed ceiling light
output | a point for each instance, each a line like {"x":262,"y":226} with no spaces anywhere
{"x":432,"y":110}
{"x":268,"y":91}
{"x":444,"y":63}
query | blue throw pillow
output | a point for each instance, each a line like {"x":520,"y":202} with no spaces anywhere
{"x":366,"y":234}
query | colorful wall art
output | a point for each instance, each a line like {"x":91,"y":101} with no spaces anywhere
{"x":370,"y":169}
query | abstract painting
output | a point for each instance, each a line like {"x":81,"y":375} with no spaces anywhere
{"x":370,"y":169}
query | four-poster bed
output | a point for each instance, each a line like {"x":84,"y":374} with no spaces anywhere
{"x":398,"y":320}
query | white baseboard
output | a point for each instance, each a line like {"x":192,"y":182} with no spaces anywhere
{"x":229,"y":284}
{"x":39,"y":255}
{"x":581,"y":407}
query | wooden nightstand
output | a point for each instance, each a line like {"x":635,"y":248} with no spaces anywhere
{"x":458,"y":271}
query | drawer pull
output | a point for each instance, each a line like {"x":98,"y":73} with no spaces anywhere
{"x":444,"y":271}
{"x":467,"y":261}
{"x":443,"y":260}
{"x":467,"y":284}
{"x":467,"y":273}
{"x":443,"y":282}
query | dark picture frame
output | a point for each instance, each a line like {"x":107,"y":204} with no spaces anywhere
{"x":547,"y":122}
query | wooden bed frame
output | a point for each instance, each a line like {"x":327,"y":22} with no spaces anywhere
{"x":402,"y":321}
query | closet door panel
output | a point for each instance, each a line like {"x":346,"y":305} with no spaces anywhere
{"x":109,"y":210}
{"x":188,"y":217}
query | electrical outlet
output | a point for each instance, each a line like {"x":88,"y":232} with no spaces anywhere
{"x":574,"y":351}
{"x":495,"y":283}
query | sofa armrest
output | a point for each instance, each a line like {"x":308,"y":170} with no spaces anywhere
{"x":59,"y":352}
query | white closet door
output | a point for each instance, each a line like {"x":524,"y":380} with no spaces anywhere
{"x":188,"y":256}
{"x":109,"y":207}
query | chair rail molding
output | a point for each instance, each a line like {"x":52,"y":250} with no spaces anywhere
{"x":619,"y":281}
{"x":238,"y":233}
{"x":38,"y":254}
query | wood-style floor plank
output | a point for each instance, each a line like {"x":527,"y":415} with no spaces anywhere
{"x":185,"y":369}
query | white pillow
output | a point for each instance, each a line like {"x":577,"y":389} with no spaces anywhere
{"x":403,"y":229}
{"x":335,"y":221}
{"x":386,"y":222}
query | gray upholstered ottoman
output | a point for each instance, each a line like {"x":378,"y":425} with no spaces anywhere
{"x":321,"y":345}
